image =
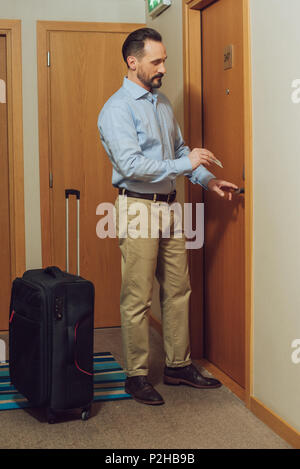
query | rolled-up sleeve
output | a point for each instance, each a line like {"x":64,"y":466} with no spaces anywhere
{"x":119,"y":138}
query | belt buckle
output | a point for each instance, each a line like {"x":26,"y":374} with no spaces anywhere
{"x":154,"y":197}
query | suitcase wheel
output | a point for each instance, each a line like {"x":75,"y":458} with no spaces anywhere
{"x":85,"y":414}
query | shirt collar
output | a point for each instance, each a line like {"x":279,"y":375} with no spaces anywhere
{"x":138,"y":91}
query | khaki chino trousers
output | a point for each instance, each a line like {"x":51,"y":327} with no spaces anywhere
{"x":152,"y":245}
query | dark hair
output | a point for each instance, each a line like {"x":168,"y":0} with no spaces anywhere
{"x":134,"y":43}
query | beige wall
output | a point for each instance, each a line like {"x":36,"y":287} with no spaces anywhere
{"x":29,"y":11}
{"x":276,"y":166}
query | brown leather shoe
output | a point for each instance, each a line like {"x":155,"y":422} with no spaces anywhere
{"x":142,"y":391}
{"x":191,"y":376}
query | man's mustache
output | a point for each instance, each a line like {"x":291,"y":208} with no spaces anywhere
{"x":157,"y":76}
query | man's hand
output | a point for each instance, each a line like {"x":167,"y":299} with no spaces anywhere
{"x":222,"y":188}
{"x":200,"y":156}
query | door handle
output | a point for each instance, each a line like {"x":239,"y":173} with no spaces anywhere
{"x":241,"y":190}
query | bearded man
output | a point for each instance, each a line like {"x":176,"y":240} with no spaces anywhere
{"x":145,"y":146}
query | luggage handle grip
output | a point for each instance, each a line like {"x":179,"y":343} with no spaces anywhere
{"x":54,"y":271}
{"x":72,"y":192}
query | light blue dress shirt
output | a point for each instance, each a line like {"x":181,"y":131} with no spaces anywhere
{"x":144,"y":143}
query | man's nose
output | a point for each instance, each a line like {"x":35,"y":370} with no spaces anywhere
{"x":162,"y":69}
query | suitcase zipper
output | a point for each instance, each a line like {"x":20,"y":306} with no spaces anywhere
{"x":75,"y":361}
{"x":12,"y":315}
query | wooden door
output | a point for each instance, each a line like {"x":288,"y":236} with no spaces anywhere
{"x":86,"y":68}
{"x":5,"y":250}
{"x":223,"y":134}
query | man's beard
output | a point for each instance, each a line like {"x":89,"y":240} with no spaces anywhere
{"x":149,"y":82}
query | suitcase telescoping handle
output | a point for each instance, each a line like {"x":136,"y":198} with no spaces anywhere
{"x":69,"y":192}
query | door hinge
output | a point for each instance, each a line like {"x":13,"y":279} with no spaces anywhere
{"x":48,"y":58}
{"x":50,"y":180}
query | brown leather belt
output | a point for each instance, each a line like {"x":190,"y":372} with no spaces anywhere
{"x":169,"y":198}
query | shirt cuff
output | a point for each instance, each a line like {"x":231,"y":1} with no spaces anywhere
{"x":183,"y":165}
{"x":205,"y":180}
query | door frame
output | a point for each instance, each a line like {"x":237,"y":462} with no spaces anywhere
{"x":43,"y":30}
{"x":193,"y":135}
{"x":12,"y":30}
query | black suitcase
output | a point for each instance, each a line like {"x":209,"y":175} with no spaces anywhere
{"x":51,"y":326}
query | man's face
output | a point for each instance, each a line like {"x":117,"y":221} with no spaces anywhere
{"x":150,"y":69}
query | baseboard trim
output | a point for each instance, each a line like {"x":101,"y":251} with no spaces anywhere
{"x":276,"y":423}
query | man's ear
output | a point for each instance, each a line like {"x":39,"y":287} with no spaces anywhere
{"x":132,"y":61}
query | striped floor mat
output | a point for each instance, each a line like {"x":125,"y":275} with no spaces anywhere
{"x":108,"y":383}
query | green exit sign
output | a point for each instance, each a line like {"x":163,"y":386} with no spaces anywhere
{"x":155,"y":7}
